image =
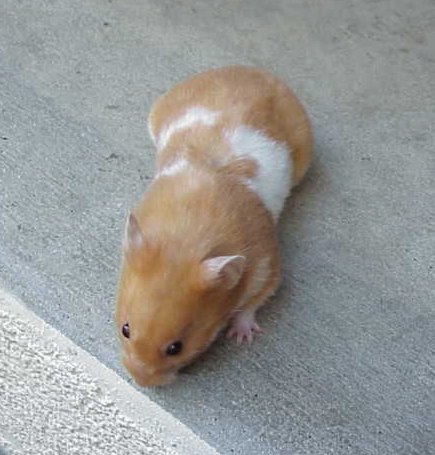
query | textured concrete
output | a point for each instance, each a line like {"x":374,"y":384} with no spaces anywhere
{"x":57,"y":399}
{"x":346,"y":365}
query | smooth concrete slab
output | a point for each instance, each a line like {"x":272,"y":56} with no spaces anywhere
{"x":347,"y":361}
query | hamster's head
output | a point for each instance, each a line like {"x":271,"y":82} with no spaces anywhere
{"x":170,"y":307}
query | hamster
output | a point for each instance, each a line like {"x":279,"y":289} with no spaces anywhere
{"x":200,"y":251}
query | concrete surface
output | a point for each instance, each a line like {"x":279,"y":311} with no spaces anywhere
{"x":57,"y":399}
{"x":347,"y":363}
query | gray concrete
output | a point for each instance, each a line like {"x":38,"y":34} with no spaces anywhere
{"x":347,"y":363}
{"x":57,"y":399}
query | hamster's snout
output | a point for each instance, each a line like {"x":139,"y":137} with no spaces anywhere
{"x":144,"y":375}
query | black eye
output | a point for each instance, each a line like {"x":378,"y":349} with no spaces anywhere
{"x":174,"y":348}
{"x":126,"y":330}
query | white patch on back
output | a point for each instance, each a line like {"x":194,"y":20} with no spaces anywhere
{"x":193,"y":178}
{"x":177,"y":166}
{"x":193,"y":116}
{"x":273,"y":180}
{"x":150,"y":132}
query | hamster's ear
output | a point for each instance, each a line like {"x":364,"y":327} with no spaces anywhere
{"x":134,"y":239}
{"x":223,"y":270}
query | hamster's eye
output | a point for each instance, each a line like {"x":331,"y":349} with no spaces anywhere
{"x":126,"y":330}
{"x":174,"y":348}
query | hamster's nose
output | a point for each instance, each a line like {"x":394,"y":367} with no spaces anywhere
{"x":144,"y":375}
{"x":136,"y":366}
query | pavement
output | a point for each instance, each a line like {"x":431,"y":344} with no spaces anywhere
{"x":347,"y":361}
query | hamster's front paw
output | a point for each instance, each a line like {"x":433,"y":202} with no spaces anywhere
{"x":243,"y":327}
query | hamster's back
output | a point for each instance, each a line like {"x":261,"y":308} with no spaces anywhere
{"x":241,"y":95}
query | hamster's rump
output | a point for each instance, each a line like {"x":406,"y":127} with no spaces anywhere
{"x":237,"y":95}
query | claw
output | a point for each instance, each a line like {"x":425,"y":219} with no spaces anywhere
{"x":243,"y":328}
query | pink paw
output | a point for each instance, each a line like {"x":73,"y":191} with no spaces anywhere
{"x":243,"y":328}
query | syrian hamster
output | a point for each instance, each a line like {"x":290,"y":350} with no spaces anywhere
{"x":200,"y":251}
